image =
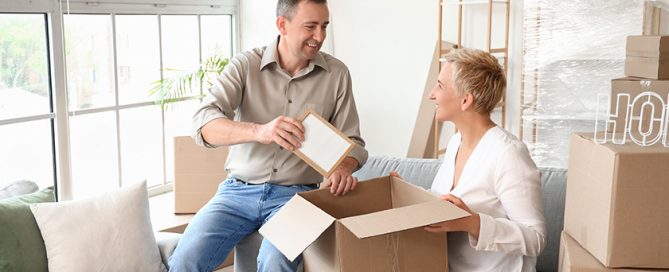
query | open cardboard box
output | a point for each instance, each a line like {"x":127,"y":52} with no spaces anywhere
{"x":376,"y":227}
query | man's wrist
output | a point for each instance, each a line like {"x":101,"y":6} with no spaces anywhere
{"x":350,"y":163}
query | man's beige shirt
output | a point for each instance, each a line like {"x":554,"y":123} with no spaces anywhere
{"x":254,"y":88}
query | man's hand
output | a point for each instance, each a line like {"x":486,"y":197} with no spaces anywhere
{"x":341,"y":181}
{"x":470,"y":224}
{"x":284,"y":131}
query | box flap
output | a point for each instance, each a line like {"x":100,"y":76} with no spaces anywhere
{"x":295,"y":226}
{"x":402,"y":218}
{"x":406,"y":194}
{"x":369,"y":196}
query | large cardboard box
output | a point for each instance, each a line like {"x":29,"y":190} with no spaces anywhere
{"x":634,"y":86}
{"x":574,"y":258}
{"x":197,"y":173}
{"x":616,"y":204}
{"x":376,"y":227}
{"x":647,"y":57}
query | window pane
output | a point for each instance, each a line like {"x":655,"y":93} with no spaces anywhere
{"x":24,"y":77}
{"x":138,"y":56}
{"x":216,"y":35}
{"x":180,"y":45}
{"x":89,"y":60}
{"x":94,"y":153}
{"x":26,"y":153}
{"x":141,"y":145}
{"x":178,"y":122}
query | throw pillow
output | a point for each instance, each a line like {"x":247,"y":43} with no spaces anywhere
{"x":111,"y":232}
{"x":21,"y":245}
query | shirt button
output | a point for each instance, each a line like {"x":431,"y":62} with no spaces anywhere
{"x":275,"y":170}
{"x":281,"y":147}
{"x":290,"y":101}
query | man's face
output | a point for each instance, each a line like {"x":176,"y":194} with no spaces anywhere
{"x":304,"y":33}
{"x":444,"y":94}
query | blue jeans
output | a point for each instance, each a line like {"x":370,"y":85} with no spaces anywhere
{"x":237,"y":210}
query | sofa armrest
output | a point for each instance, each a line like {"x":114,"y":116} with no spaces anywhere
{"x":167,"y":242}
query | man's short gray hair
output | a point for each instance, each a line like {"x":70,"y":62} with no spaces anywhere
{"x":286,"y":8}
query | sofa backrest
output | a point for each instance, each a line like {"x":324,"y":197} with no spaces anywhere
{"x":554,"y":188}
{"x":421,"y":172}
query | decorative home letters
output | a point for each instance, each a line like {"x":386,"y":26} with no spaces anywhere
{"x":645,"y":118}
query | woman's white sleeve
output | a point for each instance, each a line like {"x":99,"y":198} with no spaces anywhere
{"x":518,"y":187}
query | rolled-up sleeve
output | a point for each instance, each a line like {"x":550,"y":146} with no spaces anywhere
{"x":346,"y":119}
{"x":222,"y":99}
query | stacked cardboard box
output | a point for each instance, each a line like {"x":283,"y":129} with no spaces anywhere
{"x":197,"y":173}
{"x":647,"y":57}
{"x":574,"y":258}
{"x":616,"y":209}
{"x":633,"y":86}
{"x":616,"y":205}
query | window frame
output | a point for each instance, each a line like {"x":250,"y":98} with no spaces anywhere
{"x":60,"y":115}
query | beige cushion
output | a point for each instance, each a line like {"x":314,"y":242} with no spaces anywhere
{"x":111,"y":232}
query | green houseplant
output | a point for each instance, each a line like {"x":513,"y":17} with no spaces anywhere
{"x":173,"y":89}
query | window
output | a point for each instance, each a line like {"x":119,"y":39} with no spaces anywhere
{"x":103,"y":123}
{"x":26,"y":114}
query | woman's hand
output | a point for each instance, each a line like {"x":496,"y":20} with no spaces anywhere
{"x":394,"y":174}
{"x":471,"y":224}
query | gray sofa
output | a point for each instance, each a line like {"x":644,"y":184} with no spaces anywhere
{"x":421,"y":172}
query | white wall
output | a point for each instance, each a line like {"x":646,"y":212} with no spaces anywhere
{"x":388,"y":47}
{"x":257,"y":23}
{"x":388,"y":51}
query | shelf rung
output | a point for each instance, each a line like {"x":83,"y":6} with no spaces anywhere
{"x":479,"y":2}
{"x":498,"y":50}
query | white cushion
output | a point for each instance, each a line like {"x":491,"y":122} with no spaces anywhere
{"x":111,"y":232}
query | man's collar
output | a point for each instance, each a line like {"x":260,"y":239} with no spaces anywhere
{"x":271,"y":55}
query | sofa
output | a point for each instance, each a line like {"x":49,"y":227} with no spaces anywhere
{"x":421,"y":172}
{"x":20,"y":250}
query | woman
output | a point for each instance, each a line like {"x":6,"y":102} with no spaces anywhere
{"x":486,"y":171}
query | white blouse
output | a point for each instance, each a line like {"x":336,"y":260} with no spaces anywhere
{"x":500,"y":182}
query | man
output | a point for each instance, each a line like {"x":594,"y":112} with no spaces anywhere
{"x":252,"y":108}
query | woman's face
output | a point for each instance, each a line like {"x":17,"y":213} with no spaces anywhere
{"x":446,"y":96}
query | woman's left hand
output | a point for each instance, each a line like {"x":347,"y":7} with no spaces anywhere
{"x":470,"y":224}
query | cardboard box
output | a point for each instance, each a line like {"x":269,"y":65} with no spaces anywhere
{"x":574,"y":258}
{"x":377,"y":227}
{"x":197,"y":173}
{"x":616,"y":204}
{"x":633,"y":87}
{"x":647,"y":57}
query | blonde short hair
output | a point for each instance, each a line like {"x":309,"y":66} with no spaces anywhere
{"x":479,"y":73}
